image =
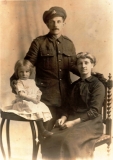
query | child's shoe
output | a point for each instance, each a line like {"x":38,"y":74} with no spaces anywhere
{"x":47,"y":134}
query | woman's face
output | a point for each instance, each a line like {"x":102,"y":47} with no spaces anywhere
{"x":24,"y":73}
{"x":56,"y":25}
{"x":84,"y":66}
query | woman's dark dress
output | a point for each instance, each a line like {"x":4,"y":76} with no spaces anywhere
{"x":86,"y":99}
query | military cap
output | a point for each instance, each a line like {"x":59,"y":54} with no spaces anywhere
{"x":54,"y":12}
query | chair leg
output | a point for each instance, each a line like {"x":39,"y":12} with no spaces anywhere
{"x":108,"y":149}
{"x":38,"y":145}
{"x":8,"y":138}
{"x":34,"y":155}
{"x":1,"y":141}
{"x":40,"y":138}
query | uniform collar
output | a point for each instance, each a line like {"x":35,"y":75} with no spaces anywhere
{"x":60,"y":39}
{"x":51,"y":38}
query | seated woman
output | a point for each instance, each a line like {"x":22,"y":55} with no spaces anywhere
{"x":76,"y":134}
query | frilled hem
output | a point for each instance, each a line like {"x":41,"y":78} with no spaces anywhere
{"x":41,"y":112}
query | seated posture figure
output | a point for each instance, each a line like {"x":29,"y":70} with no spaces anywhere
{"x":75,"y":135}
{"x":27,"y":103}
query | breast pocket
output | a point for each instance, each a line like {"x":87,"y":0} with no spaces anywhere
{"x":67,"y":59}
{"x":47,"y":59}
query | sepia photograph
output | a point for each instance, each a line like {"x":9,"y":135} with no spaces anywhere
{"x":56,"y":80}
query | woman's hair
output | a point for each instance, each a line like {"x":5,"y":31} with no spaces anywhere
{"x":22,"y":63}
{"x":86,"y":55}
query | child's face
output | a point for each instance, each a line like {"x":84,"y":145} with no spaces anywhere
{"x":84,"y":66}
{"x":23,"y":73}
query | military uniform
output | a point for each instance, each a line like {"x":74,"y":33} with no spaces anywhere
{"x":53,"y":60}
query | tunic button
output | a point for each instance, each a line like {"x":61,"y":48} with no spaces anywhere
{"x":41,"y":83}
{"x":60,"y":70}
{"x":58,"y":51}
{"x":59,"y":60}
{"x":48,"y":54}
{"x":60,"y":79}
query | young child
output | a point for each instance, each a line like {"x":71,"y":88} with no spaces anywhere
{"x":27,"y":103}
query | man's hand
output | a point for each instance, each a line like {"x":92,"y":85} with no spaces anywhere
{"x":60,"y":121}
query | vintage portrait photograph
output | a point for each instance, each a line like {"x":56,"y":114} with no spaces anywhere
{"x":56,"y":79}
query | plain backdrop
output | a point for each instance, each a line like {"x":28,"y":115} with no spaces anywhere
{"x":88,"y":25}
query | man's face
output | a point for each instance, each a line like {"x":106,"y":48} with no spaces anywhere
{"x":55,"y":25}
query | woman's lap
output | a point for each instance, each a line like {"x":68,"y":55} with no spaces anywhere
{"x":74,"y":142}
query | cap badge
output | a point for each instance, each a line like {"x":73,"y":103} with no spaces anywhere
{"x":54,"y":12}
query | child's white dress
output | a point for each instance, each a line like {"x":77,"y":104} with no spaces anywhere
{"x":28,"y":109}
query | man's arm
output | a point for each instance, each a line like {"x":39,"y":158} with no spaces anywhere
{"x":72,"y":60}
{"x":13,"y":80}
{"x":33,"y":52}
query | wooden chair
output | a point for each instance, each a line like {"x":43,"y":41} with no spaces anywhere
{"x":106,"y":138}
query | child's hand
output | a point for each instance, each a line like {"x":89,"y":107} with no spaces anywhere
{"x":22,"y":94}
{"x":34,"y":100}
{"x":38,"y":98}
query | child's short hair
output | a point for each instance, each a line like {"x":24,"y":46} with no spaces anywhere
{"x":22,"y":63}
{"x":86,"y":55}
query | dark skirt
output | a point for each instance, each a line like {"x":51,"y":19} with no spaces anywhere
{"x":76,"y":142}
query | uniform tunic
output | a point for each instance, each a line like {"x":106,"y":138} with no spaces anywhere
{"x":86,"y":99}
{"x":53,"y":60}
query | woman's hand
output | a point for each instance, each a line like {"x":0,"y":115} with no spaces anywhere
{"x":60,"y":121}
{"x":70,"y":124}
